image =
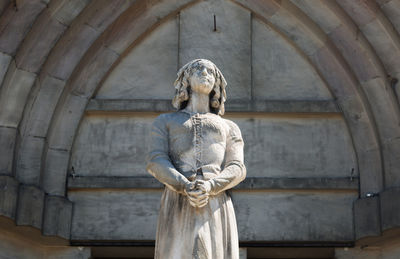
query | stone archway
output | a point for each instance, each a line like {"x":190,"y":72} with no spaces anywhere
{"x":60,"y":62}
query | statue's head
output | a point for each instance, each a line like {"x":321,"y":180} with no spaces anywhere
{"x":215,"y":81}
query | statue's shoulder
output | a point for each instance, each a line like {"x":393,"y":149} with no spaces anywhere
{"x":168,"y":115}
{"x":164,"y":118}
{"x":160,"y":118}
{"x":232,"y":127}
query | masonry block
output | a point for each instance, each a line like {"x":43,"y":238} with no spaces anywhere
{"x":115,"y":215}
{"x":334,"y":71}
{"x":55,"y":172}
{"x":13,"y":95}
{"x":325,"y":13}
{"x":91,"y":71}
{"x":383,"y":37}
{"x":289,"y":79}
{"x":356,"y":51}
{"x":261,"y":215}
{"x":69,"y":51}
{"x":391,"y":149}
{"x":29,"y":160}
{"x":384,"y":106}
{"x":144,"y":59}
{"x":367,"y":217}
{"x":391,"y":11}
{"x":361,"y":11}
{"x":365,"y":142}
{"x":228,"y":47}
{"x":136,"y":20}
{"x":3,"y":5}
{"x":40,"y":111}
{"x":99,"y":15}
{"x":66,"y":11}
{"x":299,"y":28}
{"x":30,"y":206}
{"x":8,"y":196}
{"x":264,"y":8}
{"x":371,"y":175}
{"x":7,"y":141}
{"x":57,"y":217}
{"x":39,"y":42}
{"x":65,"y":123}
{"x":4,"y":63}
{"x":16,"y":21}
{"x":390,"y":208}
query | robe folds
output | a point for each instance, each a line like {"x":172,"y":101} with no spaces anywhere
{"x":184,"y":147}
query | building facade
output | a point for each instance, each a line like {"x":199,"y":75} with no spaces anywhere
{"x":311,"y":83}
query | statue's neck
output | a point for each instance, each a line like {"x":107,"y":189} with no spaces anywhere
{"x":198,"y":103}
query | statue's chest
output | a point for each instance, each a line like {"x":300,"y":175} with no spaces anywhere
{"x":197,"y":131}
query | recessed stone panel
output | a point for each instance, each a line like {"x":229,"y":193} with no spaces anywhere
{"x":280,"y":72}
{"x":295,"y":146}
{"x":275,"y":146}
{"x":261,"y":216}
{"x":229,"y":47}
{"x":112,"y":146}
{"x":149,"y":70}
{"x":115,"y":215}
{"x":297,"y":216}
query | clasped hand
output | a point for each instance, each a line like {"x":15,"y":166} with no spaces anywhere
{"x":198,"y":193}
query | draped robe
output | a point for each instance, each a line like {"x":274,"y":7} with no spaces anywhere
{"x":187,"y":146}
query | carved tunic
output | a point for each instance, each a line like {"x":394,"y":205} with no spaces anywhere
{"x":184,"y":147}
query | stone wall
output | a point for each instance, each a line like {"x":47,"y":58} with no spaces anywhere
{"x":312,"y":85}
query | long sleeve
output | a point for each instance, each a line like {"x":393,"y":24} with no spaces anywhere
{"x":234,"y":171}
{"x":159,"y":163}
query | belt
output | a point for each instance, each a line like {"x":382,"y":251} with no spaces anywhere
{"x":199,"y":171}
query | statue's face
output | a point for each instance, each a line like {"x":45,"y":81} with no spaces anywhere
{"x":202,"y":78}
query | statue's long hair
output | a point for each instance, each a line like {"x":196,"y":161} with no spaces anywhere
{"x":182,"y":88}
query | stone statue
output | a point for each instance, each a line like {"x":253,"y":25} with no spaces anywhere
{"x":197,"y":155}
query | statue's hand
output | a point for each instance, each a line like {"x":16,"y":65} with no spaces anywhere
{"x":204,"y":186}
{"x":190,"y":186}
{"x":197,"y":197}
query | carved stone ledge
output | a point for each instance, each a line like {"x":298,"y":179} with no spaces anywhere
{"x":141,"y":105}
{"x":250,"y":183}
